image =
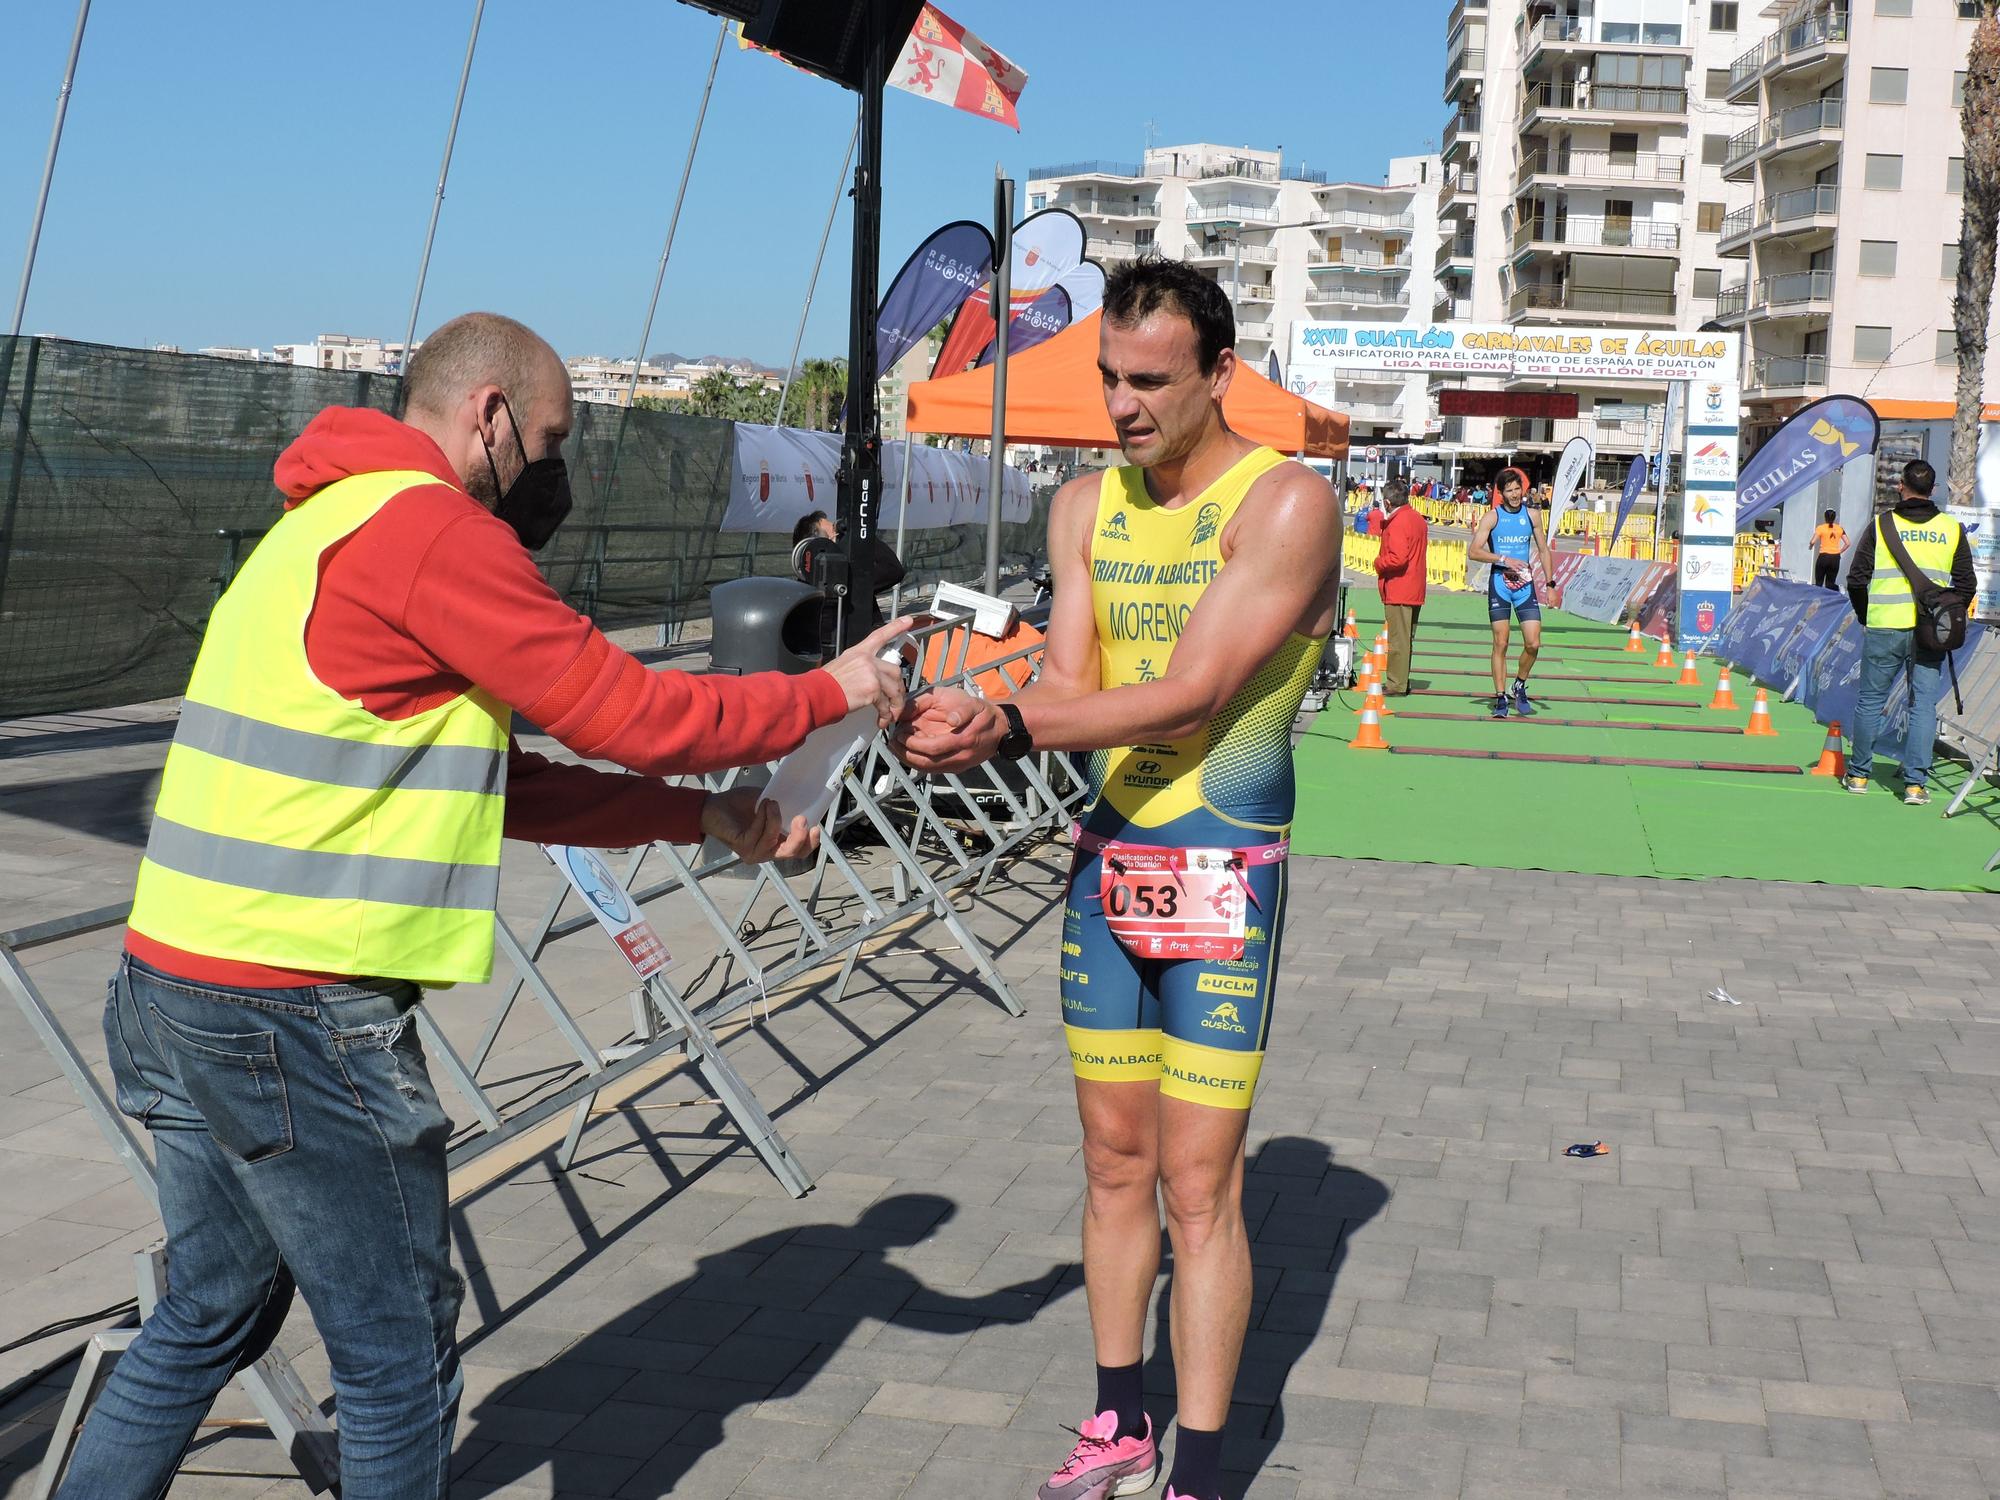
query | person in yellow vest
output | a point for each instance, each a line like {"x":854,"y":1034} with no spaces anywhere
{"x":326,"y":841}
{"x":1887,"y":608}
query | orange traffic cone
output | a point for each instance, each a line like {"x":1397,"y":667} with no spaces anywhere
{"x":1665,"y":660}
{"x":1350,"y":629}
{"x":1760,"y":716}
{"x":1635,"y":641}
{"x":1723,"y":697}
{"x":1689,"y":676}
{"x":1370,"y":737}
{"x":1832,"y":760}
{"x":1376,"y":699}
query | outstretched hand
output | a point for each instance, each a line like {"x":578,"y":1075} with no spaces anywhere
{"x":947,"y":730}
{"x":755,"y":830}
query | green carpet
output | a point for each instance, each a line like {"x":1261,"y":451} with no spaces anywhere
{"x":1614,"y":820}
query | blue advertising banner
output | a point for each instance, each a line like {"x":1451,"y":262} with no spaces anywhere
{"x":1635,"y":482}
{"x":1817,"y":441}
{"x":947,"y":268}
{"x":1037,"y":323}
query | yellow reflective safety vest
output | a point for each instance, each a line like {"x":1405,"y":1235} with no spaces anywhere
{"x":296,"y":830}
{"x":1931,"y":544}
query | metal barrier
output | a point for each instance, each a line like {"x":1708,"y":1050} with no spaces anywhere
{"x":943,"y":836}
{"x":1975,"y":733}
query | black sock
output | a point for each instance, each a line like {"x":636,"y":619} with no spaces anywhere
{"x":1119,"y":1390}
{"x":1197,"y":1464}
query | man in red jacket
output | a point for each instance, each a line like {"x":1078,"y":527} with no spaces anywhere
{"x":339,"y":783}
{"x":1400,"y":574}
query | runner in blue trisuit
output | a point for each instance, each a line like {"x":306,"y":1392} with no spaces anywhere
{"x":1510,"y":538}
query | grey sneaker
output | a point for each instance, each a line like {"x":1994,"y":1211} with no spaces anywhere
{"x":1102,"y":1464}
{"x":1854,"y":784}
{"x":1916,"y":796}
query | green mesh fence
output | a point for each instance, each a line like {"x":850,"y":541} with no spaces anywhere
{"x":133,"y":484}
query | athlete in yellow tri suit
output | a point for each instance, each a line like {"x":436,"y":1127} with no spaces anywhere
{"x":1193,"y":590}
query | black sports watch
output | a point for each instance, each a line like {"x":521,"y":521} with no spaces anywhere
{"x":1018,"y":742}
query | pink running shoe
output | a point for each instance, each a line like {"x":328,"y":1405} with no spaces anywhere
{"x":1103,"y":1464}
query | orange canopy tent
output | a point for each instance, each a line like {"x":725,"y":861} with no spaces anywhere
{"x":1056,"y":396}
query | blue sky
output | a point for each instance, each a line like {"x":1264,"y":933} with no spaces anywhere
{"x":242,"y":172}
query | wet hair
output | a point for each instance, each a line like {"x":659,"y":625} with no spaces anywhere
{"x":1919,"y":476}
{"x":475,"y":349}
{"x":1500,"y":481}
{"x":1135,"y":291}
{"x":807,"y":525}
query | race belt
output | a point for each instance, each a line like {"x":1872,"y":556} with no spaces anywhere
{"x":1172,"y":903}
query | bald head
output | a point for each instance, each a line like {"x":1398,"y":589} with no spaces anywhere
{"x":492,"y":394}
{"x":476,"y":349}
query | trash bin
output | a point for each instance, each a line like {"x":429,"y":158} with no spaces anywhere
{"x":764,"y":625}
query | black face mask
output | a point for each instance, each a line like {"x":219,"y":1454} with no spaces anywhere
{"x":538,"y":500}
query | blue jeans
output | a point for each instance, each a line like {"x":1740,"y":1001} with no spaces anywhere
{"x":297,"y":1136}
{"x":1884,"y":654}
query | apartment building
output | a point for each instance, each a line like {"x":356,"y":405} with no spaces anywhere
{"x":344,"y":351}
{"x":1845,"y":246}
{"x":608,"y":382}
{"x":1583,"y":165}
{"x":1288,"y":244}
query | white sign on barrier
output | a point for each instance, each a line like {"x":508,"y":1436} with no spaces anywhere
{"x":605,"y":894}
{"x":1600,"y":587}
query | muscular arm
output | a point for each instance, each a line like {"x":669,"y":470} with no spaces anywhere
{"x":1287,"y":547}
{"x":1476,"y":548}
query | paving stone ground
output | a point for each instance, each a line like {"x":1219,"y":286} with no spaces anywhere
{"x":1781,"y":1282}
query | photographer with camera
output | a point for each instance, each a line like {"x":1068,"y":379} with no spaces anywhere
{"x":814,"y":537}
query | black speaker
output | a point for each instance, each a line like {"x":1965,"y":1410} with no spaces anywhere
{"x":827,"y":37}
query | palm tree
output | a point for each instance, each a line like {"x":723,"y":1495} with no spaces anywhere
{"x":1972,"y":307}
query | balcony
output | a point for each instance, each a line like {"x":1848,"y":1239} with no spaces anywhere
{"x":1139,"y":210}
{"x":1812,"y":35}
{"x":1369,"y":411}
{"x":1741,"y":153}
{"x":1462,"y":62}
{"x":1199,"y":212}
{"x":1456,"y":250}
{"x":1747,"y":70}
{"x":1559,"y":235}
{"x":1226,"y":253}
{"x":1732,"y":304}
{"x":1249,"y":171}
{"x":1794,"y":294}
{"x":1352,"y":296}
{"x":1803,"y":211}
{"x":1575,"y":168}
{"x":1817,"y":123}
{"x":1253,"y":333}
{"x":1546,"y":432}
{"x":1788,"y":375}
{"x":1111,"y":250}
{"x":1462,"y":129}
{"x":1359,"y":260}
{"x":1085,"y":169}
{"x":1361,"y":218}
{"x":1570,"y":99}
{"x":1250,"y":292}
{"x":1597,"y":302}
{"x":1461,"y":190}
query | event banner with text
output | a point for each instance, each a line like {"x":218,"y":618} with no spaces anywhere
{"x":1326,"y":353}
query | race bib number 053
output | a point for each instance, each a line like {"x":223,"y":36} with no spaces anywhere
{"x":1175,"y":903}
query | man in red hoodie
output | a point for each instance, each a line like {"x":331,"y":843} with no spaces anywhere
{"x":1400,"y":575}
{"x":326,"y":840}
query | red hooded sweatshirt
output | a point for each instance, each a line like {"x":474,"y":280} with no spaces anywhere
{"x":434,"y":594}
